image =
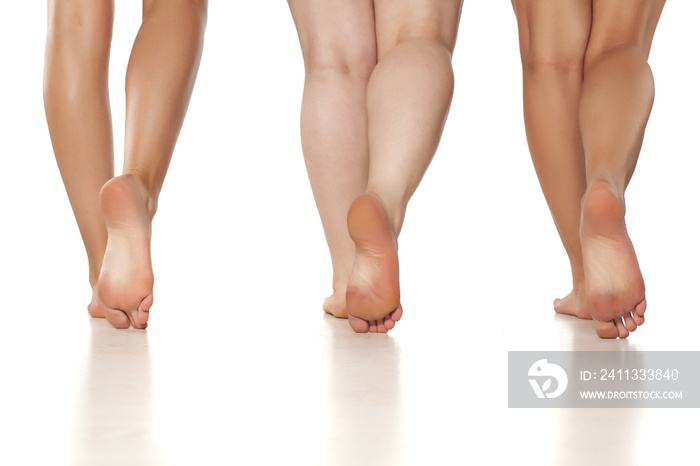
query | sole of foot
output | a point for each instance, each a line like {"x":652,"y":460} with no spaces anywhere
{"x":125,"y":285}
{"x":615,"y":290}
{"x":373,"y":295}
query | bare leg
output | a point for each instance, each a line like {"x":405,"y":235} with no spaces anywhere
{"x":78,"y":115}
{"x":160,"y":78}
{"x":408,"y":99}
{"x":588,"y":93}
{"x":616,"y":100}
{"x":553,"y":40}
{"x":338,"y":43}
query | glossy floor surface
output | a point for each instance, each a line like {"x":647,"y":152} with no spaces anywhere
{"x":239,"y":365}
{"x":218,"y":385}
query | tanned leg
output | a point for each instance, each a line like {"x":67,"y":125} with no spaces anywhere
{"x":78,"y":114}
{"x":553,"y":39}
{"x":588,"y":92}
{"x":616,"y":100}
{"x":160,"y":78}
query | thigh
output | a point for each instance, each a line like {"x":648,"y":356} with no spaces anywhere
{"x":553,"y":31}
{"x":624,"y":23}
{"x":400,"y":20}
{"x":333,"y":29}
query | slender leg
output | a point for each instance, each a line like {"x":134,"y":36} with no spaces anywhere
{"x":616,"y":100}
{"x":408,"y":98}
{"x":159,"y":82}
{"x":553,"y":40}
{"x":78,"y":114}
{"x":338,"y":43}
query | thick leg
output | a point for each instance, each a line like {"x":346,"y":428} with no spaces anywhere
{"x":159,"y":82}
{"x":408,"y":99}
{"x":339,"y":47}
{"x":77,"y":110}
{"x":616,"y":99}
{"x":553,"y":40}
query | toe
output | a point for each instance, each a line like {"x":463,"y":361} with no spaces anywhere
{"x":373,"y":326}
{"x":622,"y":330}
{"x":144,"y":311}
{"x":134,"y":318}
{"x":358,"y":325}
{"x":117,"y":318}
{"x":142,"y":318}
{"x":630,"y":323}
{"x":381,"y":328}
{"x":605,"y":329}
{"x":641,"y":307}
{"x":639,"y":320}
{"x":389,"y":323}
{"x":396,"y":314}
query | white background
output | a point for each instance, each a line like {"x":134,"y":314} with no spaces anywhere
{"x":237,"y":233}
{"x":237,"y":204}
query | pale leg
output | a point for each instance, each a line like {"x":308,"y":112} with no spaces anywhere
{"x":408,"y":98}
{"x":338,"y":43}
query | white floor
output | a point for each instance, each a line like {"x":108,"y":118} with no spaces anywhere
{"x":274,"y":384}
{"x":239,"y":364}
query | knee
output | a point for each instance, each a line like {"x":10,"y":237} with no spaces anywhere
{"x":82,"y":24}
{"x":632,"y":54}
{"x":562,"y":61}
{"x":198,"y":7}
{"x":194,"y":8}
{"x":427,"y":32}
{"x":351,"y":59}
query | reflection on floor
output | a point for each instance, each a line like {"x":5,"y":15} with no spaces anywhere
{"x":309,"y":391}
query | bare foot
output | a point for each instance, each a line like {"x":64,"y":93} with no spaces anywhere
{"x":125,"y":285}
{"x":335,"y":303}
{"x":614,"y":283}
{"x":573,"y":304}
{"x":373,"y":297}
{"x":96,"y":308}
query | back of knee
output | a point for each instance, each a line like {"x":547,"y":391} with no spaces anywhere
{"x":195,"y":8}
{"x":354,"y":59}
{"x":81,"y":24}
{"x":553,"y":60}
{"x":426,"y":31}
{"x":631,"y":53}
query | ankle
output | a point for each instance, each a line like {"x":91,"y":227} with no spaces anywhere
{"x":340,"y":286}
{"x":94,"y":267}
{"x":601,"y":182}
{"x":578,"y":286}
{"x":148,"y":192}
